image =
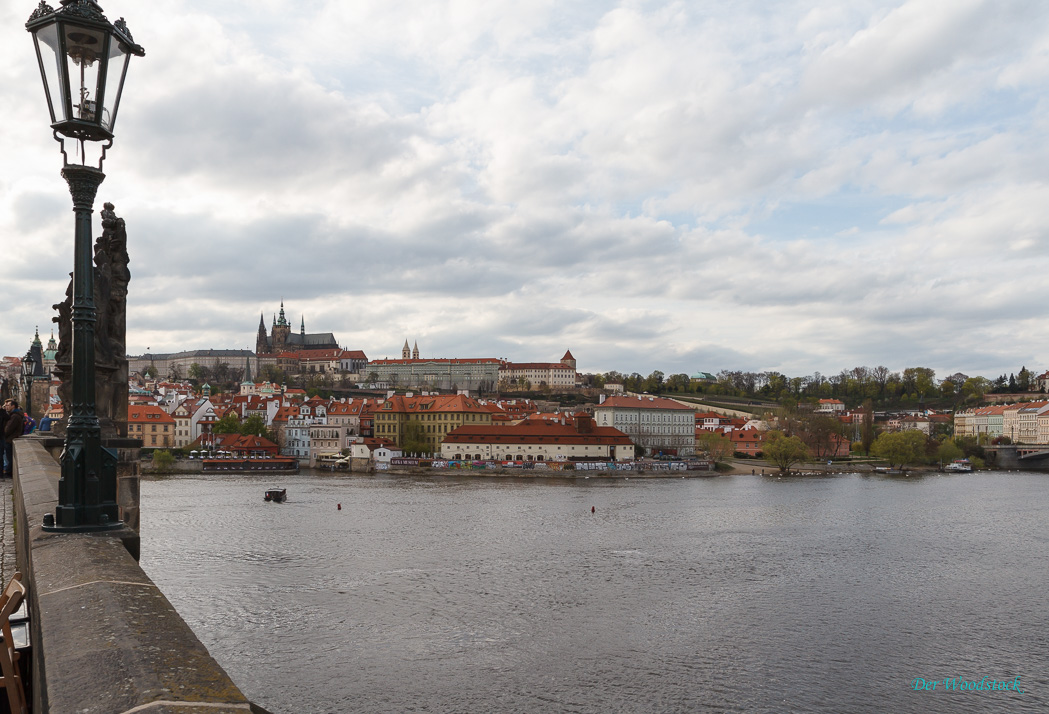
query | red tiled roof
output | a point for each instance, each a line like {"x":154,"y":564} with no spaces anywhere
{"x":536,"y":432}
{"x":433,"y":404}
{"x":536,"y":365}
{"x":440,"y":360}
{"x":642,"y":403}
{"x":143,"y":413}
{"x":285,"y":413}
{"x":344,"y":408}
{"x":319,"y":355}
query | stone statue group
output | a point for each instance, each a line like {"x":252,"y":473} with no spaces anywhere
{"x":111,"y":280}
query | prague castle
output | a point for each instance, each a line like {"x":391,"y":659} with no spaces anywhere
{"x":281,"y":339}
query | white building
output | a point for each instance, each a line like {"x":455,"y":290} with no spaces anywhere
{"x":537,"y":375}
{"x":538,"y":440}
{"x":660,"y":426}
{"x":444,"y":374}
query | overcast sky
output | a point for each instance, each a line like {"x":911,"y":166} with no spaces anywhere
{"x":683,"y":186}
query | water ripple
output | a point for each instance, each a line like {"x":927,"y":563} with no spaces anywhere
{"x":741,"y":594}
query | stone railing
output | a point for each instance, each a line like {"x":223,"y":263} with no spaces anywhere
{"x":104,"y":638}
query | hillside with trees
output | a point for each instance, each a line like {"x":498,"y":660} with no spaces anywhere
{"x":912,"y":388}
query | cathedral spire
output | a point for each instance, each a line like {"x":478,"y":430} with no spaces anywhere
{"x":302,"y":326}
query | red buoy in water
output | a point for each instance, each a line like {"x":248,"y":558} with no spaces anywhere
{"x":593,"y":509}
{"x":340,"y":506}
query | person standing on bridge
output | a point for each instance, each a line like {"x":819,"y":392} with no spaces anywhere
{"x":12,"y":430}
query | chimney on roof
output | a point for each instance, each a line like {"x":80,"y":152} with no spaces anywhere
{"x":601,"y":399}
{"x":584,"y":423}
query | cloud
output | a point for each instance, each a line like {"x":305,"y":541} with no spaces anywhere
{"x":653,"y":185}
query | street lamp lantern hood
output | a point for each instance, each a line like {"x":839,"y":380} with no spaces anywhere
{"x":83,"y":60}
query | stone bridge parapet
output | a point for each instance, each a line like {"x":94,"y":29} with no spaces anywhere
{"x":104,"y":638}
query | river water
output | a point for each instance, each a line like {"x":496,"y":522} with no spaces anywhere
{"x":727,"y":594}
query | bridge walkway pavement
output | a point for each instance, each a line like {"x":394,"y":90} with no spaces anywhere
{"x":8,"y":562}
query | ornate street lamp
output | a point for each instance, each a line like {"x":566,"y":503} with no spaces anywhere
{"x":28,"y":364}
{"x":83,"y":61}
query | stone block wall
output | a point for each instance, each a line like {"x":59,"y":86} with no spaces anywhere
{"x":104,"y":638}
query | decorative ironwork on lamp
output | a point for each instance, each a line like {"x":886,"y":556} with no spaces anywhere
{"x":28,"y":366}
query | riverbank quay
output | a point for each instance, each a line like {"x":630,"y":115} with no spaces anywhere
{"x":553,"y":470}
{"x":549,"y":475}
{"x":196,"y":466}
{"x":103,"y":637}
{"x":756,"y":467}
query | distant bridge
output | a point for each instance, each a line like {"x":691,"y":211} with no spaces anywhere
{"x":1019,"y":456}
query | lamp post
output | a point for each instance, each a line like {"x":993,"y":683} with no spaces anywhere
{"x":28,"y":364}
{"x":83,"y":60}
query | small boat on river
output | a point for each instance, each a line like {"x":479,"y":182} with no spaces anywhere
{"x":959,"y":466}
{"x":277,"y":495}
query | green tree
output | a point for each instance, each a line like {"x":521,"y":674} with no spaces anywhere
{"x":900,"y":448}
{"x":654,"y":382}
{"x":775,"y":385}
{"x":229,"y":424}
{"x":1023,"y":380}
{"x":820,"y":432}
{"x":974,"y":388}
{"x":273,"y":374}
{"x":784,"y":451}
{"x":717,"y":447}
{"x":413,"y":438}
{"x":920,"y":381}
{"x":678,"y":383}
{"x":948,"y":451}
{"x":162,"y":461}
{"x":224,"y":374}
{"x":254,"y":425}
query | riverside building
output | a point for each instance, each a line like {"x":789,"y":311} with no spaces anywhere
{"x":660,"y":426}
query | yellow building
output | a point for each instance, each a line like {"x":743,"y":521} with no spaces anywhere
{"x":434,"y":417}
{"x":151,"y":424}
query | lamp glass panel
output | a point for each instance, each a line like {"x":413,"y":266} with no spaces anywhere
{"x":118,"y":60}
{"x":50,"y":63}
{"x":84,"y":46}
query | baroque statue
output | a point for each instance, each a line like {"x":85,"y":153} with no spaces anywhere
{"x":111,"y":280}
